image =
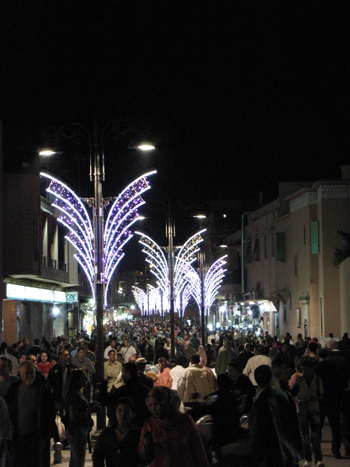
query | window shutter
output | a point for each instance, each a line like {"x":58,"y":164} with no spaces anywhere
{"x":280,"y":246}
{"x":315,"y":249}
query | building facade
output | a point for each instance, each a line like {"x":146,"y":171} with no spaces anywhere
{"x":288,"y":261}
{"x":40,"y":274}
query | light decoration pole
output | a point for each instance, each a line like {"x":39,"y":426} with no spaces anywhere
{"x":171,"y":274}
{"x":99,"y":246}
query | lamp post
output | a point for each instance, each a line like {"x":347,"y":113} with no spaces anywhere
{"x":97,"y":175}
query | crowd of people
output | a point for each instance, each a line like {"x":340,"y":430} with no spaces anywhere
{"x":286,"y":388}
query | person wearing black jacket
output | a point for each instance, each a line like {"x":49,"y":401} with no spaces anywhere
{"x":32,"y":413}
{"x":59,"y":380}
{"x":135,"y":390}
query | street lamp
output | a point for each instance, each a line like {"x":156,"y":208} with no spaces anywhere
{"x":97,"y":175}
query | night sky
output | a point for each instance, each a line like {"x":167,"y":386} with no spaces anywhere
{"x":236,"y":95}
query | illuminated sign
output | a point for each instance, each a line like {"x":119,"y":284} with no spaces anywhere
{"x":72,"y":297}
{"x":21,"y":292}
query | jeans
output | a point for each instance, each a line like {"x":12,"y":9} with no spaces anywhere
{"x":77,"y":441}
{"x":310,"y":421}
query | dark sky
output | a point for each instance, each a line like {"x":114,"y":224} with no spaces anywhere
{"x":237,"y":95}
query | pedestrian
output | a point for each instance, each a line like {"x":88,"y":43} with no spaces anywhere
{"x":170,"y":437}
{"x":309,"y":395}
{"x":273,"y":424}
{"x":118,"y":443}
{"x":5,"y":431}
{"x":32,"y":413}
{"x":78,"y":420}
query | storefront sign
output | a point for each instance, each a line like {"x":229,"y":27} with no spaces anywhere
{"x":33,"y":294}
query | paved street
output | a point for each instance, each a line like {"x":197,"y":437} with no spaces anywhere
{"x":328,"y":459}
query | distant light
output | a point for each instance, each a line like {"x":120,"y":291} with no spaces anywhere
{"x":201,"y":216}
{"x":146,"y":147}
{"x":210,"y":327}
{"x":223,"y":245}
{"x":47,"y":152}
{"x":218,"y":325}
{"x":224,"y":215}
{"x":56,"y":311}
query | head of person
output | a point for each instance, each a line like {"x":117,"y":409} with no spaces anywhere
{"x":113,"y":343}
{"x":182,"y":361}
{"x":129,"y":371}
{"x":195,"y":359}
{"x":63,"y":357}
{"x":313,"y":347}
{"x":111,"y":356}
{"x":5,"y":368}
{"x":279,"y":369}
{"x":81,"y":353}
{"x":259,"y":350}
{"x":44,"y":357}
{"x":163,"y":403}
{"x":119,"y":357}
{"x":32,"y":358}
{"x":141,"y":364}
{"x":77,"y":380}
{"x":27,"y":372}
{"x":263,"y":376}
{"x":233,"y":369}
{"x":330,"y":335}
{"x":284,"y":347}
{"x":126,"y":342}
{"x":247,"y":348}
{"x":124,"y":410}
{"x":163,"y":363}
{"x":307,"y":368}
{"x":322,"y":353}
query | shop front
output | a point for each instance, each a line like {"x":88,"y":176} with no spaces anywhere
{"x":255,"y":316}
{"x":32,"y":312}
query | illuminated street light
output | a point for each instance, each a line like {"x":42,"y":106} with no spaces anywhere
{"x":98,"y":243}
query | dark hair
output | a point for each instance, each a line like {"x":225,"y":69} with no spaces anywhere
{"x":263,"y":375}
{"x":112,"y":350}
{"x":313,"y":346}
{"x":47,"y":353}
{"x":5,"y":359}
{"x":168,"y":400}
{"x":126,"y":401}
{"x":80,"y":348}
{"x":277,"y":363}
{"x":76,"y":380}
{"x":131,"y":368}
{"x":195,"y":358}
{"x":307,"y":363}
{"x":235,"y":364}
{"x":322,"y":353}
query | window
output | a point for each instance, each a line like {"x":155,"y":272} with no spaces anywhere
{"x":248,"y":253}
{"x":265,"y":247}
{"x":280,"y":246}
{"x":296,"y":265}
{"x":315,"y":248}
{"x":298,"y":318}
{"x":285,"y":320}
{"x":256,"y":251}
{"x":273,"y":246}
